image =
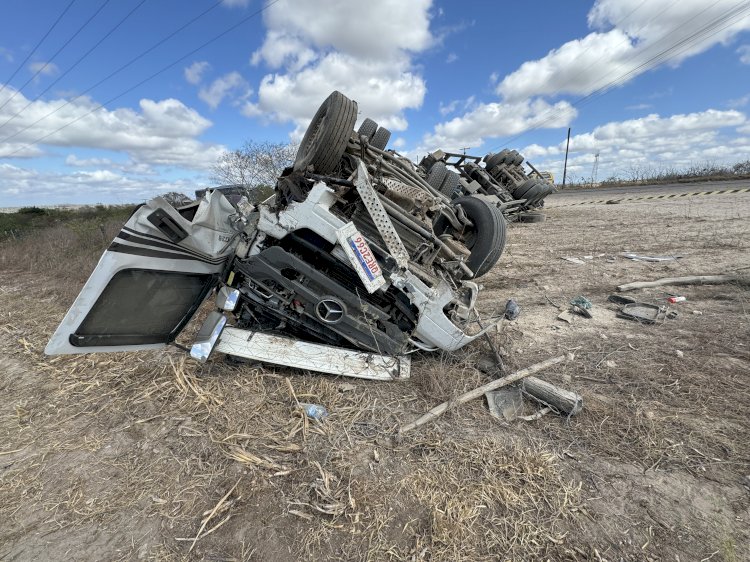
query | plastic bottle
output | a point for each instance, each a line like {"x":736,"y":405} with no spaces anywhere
{"x":673,"y":300}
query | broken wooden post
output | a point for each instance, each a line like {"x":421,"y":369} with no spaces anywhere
{"x":564,"y":401}
{"x":693,"y":280}
{"x":440,"y":409}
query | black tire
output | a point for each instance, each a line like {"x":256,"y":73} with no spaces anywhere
{"x":534,"y":195}
{"x":325,"y":139}
{"x":450,"y":183}
{"x":493,"y":160}
{"x":523,"y":188}
{"x":531,"y":217}
{"x":519,"y":158}
{"x":487,"y":241}
{"x":380,"y":138}
{"x":367,"y":128}
{"x":427,"y":162}
{"x":437,"y":175}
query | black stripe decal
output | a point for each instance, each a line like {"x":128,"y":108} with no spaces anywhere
{"x":146,"y":242}
{"x":134,"y":250}
{"x":162,"y":241}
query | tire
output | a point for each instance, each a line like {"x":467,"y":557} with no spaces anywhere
{"x":325,"y":139}
{"x":523,"y":188}
{"x":534,"y":195}
{"x":427,"y":162}
{"x":487,"y":241}
{"x":450,"y":183}
{"x":531,"y":217}
{"x":380,"y":138}
{"x":493,"y":160}
{"x":437,"y":175}
{"x":367,"y":128}
{"x":519,"y":158}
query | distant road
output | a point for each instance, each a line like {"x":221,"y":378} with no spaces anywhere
{"x":568,"y":196}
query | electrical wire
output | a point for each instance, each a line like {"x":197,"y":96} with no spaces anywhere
{"x":117,"y":71}
{"x":75,"y":64}
{"x":708,"y":30}
{"x":147,"y":79}
{"x":31,"y":53}
{"x":52,"y":58}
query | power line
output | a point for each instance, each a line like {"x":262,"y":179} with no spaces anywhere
{"x":151,"y":77}
{"x":37,"y":45}
{"x":120,"y":69}
{"x":708,"y":30}
{"x":75,"y":64}
{"x":46,"y":64}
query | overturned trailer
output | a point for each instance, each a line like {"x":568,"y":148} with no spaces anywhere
{"x":356,"y":260}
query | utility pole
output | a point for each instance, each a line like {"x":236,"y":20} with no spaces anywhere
{"x":565,"y":168}
{"x":595,"y":169}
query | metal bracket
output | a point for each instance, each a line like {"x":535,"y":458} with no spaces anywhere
{"x":380,"y":217}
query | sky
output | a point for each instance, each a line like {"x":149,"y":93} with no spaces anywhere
{"x":116,"y":101}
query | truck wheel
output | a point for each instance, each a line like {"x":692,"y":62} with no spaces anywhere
{"x":437,"y":175}
{"x":427,"y":162}
{"x":492,"y":160}
{"x":326,"y":138}
{"x":486,"y":240}
{"x":367,"y":128}
{"x":523,"y":188}
{"x":380,"y":138}
{"x":450,"y":183}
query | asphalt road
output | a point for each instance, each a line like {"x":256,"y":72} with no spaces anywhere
{"x":568,"y":196}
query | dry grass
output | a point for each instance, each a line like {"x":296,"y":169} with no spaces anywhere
{"x":121,"y":456}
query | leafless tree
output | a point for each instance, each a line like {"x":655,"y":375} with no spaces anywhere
{"x":255,"y":165}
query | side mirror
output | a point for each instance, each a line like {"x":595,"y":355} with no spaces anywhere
{"x":227,"y":298}
{"x":207,"y":336}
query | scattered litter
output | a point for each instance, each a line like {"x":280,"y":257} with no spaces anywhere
{"x":618,"y":299}
{"x":697,"y":313}
{"x":588,"y":257}
{"x":347,"y":387}
{"x":603,"y":336}
{"x":512,"y":310}
{"x":679,"y":353}
{"x":539,"y":414}
{"x":636,"y":257}
{"x":611,"y":364}
{"x":565,"y":317}
{"x":692,"y":280}
{"x":505,"y":403}
{"x":314,"y":411}
{"x":581,"y":302}
{"x":675,"y":299}
{"x":574,"y":260}
{"x":642,"y":312}
{"x":581,"y":311}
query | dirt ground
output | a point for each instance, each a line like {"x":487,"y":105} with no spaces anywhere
{"x":133,"y":456}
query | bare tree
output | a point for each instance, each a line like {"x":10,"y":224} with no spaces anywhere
{"x":255,"y":166}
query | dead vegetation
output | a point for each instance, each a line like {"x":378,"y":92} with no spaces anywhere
{"x":149,"y":456}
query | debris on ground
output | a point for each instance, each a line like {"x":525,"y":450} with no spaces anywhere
{"x":636,"y":257}
{"x":512,"y":310}
{"x":576,"y":261}
{"x":691,"y":280}
{"x":314,"y":411}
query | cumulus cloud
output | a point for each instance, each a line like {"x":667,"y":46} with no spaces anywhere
{"x":194,"y":72}
{"x":652,"y":141}
{"x":6,"y":54}
{"x":744,"y":52}
{"x":235,"y":3}
{"x":363,"y":49}
{"x":26,"y":186}
{"x":630,"y":38}
{"x":231,"y":85}
{"x":495,"y":120}
{"x":161,"y":132}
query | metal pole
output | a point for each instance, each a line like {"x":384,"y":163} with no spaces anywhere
{"x":565,"y":168}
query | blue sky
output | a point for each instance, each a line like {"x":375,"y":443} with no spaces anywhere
{"x":644,"y":83}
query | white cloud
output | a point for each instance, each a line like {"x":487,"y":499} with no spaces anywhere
{"x":43,"y":68}
{"x":744,"y":52}
{"x":652,"y":142}
{"x":7,"y":54}
{"x":235,"y":3}
{"x":363,"y":49}
{"x":636,"y":32}
{"x":639,"y":106}
{"x":448,"y":108}
{"x":498,"y":119}
{"x":23,"y":186}
{"x":452,"y":57}
{"x":739,"y":102}
{"x":73,"y":160}
{"x":231,"y":85}
{"x":159,"y":133}
{"x":194,"y":72}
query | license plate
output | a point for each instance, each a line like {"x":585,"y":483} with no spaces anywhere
{"x":361,"y":257}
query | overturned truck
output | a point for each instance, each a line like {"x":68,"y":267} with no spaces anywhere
{"x":356,"y":251}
